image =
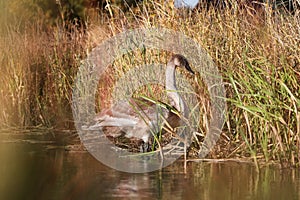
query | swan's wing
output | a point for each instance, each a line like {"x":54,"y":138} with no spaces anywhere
{"x":126,"y":113}
{"x":120,"y":110}
{"x":117,"y":121}
{"x":136,"y":118}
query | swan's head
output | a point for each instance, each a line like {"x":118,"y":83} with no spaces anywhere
{"x":180,"y":61}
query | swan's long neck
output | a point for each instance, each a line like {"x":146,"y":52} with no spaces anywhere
{"x":171,"y":88}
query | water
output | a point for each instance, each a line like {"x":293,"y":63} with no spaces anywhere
{"x":36,"y":167}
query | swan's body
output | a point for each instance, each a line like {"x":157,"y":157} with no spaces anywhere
{"x":138,"y":118}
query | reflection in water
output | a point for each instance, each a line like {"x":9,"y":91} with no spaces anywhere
{"x":31,"y":171}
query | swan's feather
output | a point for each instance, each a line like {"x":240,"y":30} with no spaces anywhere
{"x":116,"y":121}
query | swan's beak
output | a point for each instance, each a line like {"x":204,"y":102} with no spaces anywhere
{"x":187,"y":66}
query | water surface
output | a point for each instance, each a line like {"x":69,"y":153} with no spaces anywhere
{"x":36,"y":166}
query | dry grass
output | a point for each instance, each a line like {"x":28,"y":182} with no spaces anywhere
{"x":257,"y":52}
{"x":38,"y":67}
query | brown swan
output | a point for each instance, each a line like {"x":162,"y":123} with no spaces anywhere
{"x":140,"y":118}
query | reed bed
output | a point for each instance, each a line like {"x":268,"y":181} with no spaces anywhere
{"x":257,"y":50}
